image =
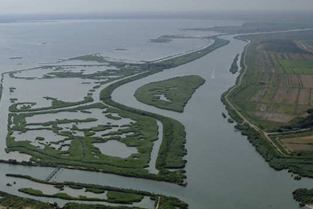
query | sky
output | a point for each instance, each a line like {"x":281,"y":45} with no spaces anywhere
{"x":88,"y":6}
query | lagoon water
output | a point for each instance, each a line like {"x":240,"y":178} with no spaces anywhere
{"x":223,"y":169}
{"x":48,"y":41}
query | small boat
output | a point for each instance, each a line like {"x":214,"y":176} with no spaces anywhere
{"x":213,"y":74}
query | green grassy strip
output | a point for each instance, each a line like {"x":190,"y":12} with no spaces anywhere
{"x":113,"y":197}
{"x":56,"y":104}
{"x":184,"y":59}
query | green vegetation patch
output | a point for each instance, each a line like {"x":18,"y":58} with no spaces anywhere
{"x":177,"y":92}
{"x":168,"y":38}
{"x":91,"y":57}
{"x":296,"y":66}
{"x":123,"y":197}
{"x":161,"y":40}
{"x":234,"y":66}
{"x":82,"y":152}
{"x":14,"y":202}
{"x":282,"y":45}
{"x":195,"y":55}
{"x":303,"y":196}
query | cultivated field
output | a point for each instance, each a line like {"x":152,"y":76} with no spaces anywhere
{"x":298,"y":143}
{"x":278,"y":85}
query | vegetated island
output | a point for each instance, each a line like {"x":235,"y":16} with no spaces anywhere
{"x":234,"y":66}
{"x":161,"y":40}
{"x":169,"y":38}
{"x":271,"y":100}
{"x":114,"y":195}
{"x":171,"y":94}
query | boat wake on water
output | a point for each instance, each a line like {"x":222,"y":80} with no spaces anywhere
{"x":213,"y":75}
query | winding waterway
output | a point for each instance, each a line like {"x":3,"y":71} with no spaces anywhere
{"x":223,"y":169}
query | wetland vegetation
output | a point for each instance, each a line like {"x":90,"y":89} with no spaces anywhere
{"x":234,"y":66}
{"x":56,"y":136}
{"x":170,"y":38}
{"x":113,"y":194}
{"x":74,"y":146}
{"x":177,"y":92}
{"x":81,"y":152}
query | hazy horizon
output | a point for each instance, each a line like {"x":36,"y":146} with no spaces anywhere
{"x":120,"y":6}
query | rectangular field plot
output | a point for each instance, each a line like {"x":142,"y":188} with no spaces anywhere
{"x":296,"y":66}
{"x":281,"y":95}
{"x":275,"y":117}
{"x":297,"y":144}
{"x":268,"y":97}
{"x":307,"y":81}
{"x":293,"y":81}
{"x":292,"y":95}
{"x":289,"y":109}
{"x":304,"y":97}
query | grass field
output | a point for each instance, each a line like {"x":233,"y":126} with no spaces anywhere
{"x":176,"y":92}
{"x":299,"y":143}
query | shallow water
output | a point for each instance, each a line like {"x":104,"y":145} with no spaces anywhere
{"x":66,"y":39}
{"x":155,"y":150}
{"x":66,"y":89}
{"x":164,"y":98}
{"x":31,"y":136}
{"x":116,"y":149}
